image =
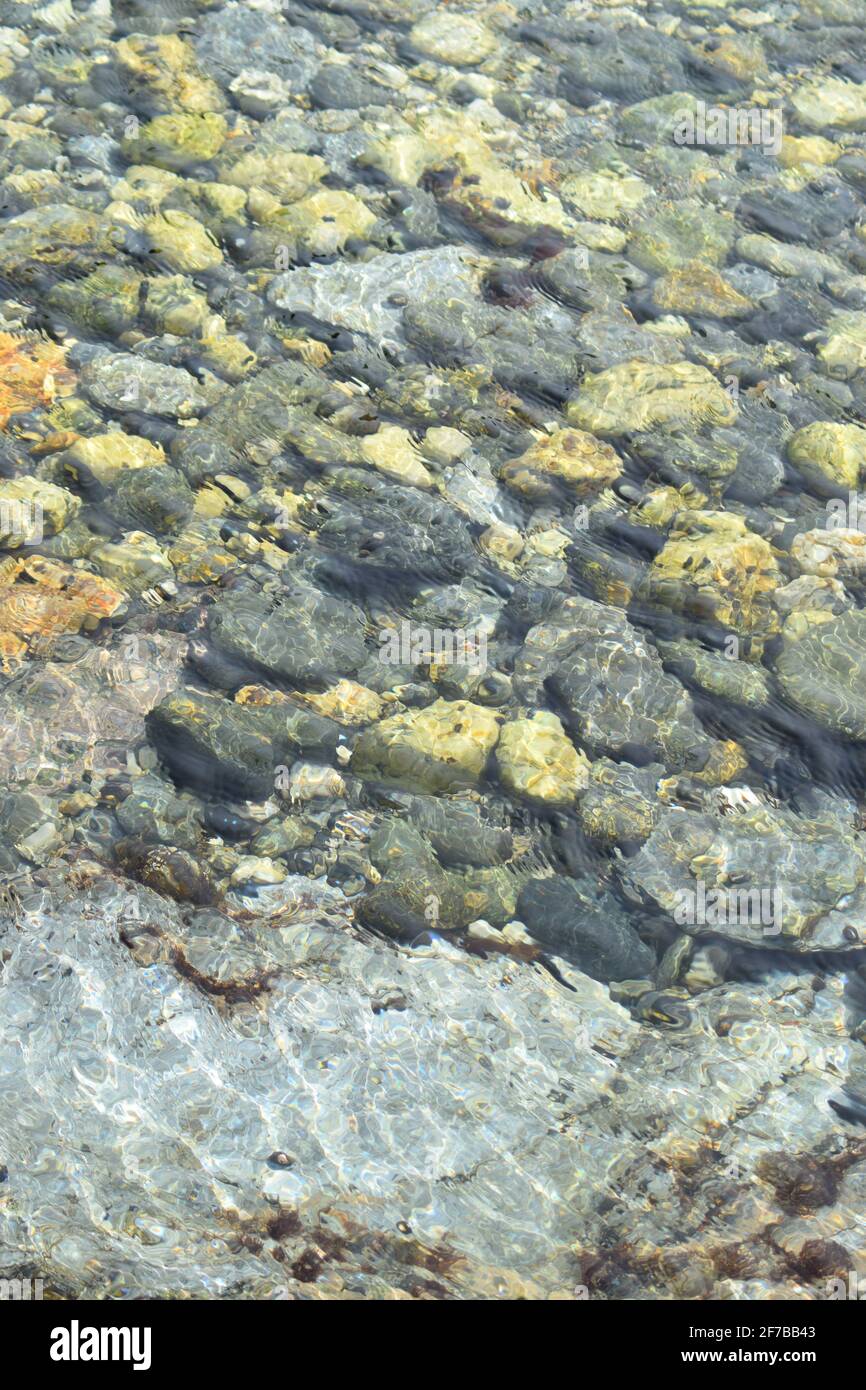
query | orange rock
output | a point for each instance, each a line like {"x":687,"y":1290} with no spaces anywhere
{"x":55,"y":443}
{"x":12,"y":651}
{"x":32,"y":372}
{"x":260,"y":695}
{"x":41,"y":600}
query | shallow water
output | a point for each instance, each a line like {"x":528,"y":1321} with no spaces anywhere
{"x":431,"y":620}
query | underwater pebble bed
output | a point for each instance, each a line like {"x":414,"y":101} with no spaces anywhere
{"x":432,"y":648}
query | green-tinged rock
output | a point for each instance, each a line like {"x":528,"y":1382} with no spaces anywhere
{"x":106,"y":302}
{"x":699,"y":289}
{"x":643,"y":396}
{"x":284,"y":174}
{"x":457,"y":39}
{"x":323,"y":222}
{"x":182,"y":242}
{"x":619,"y":805}
{"x":725,"y":678}
{"x":61,"y":236}
{"x":163,"y":68}
{"x":830,"y":456}
{"x":173,"y":305}
{"x":616,"y":697}
{"x":678,"y":233}
{"x":832,"y":102}
{"x":843,"y":350}
{"x":393,"y":451}
{"x":178,"y":141}
{"x":105,"y":456}
{"x":154,"y":812}
{"x":301,"y":635}
{"x":824,"y":674}
{"x":209,"y":742}
{"x":442,"y":748}
{"x":605,"y":195}
{"x":136,"y":563}
{"x":150,"y":499}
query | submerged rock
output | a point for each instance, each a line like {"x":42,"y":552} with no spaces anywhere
{"x":431,"y":740}
{"x":121,"y":381}
{"x":104,"y":457}
{"x":300,"y":635}
{"x":612,"y":686}
{"x":572,"y":457}
{"x":640,"y":396}
{"x":763,"y":876}
{"x":831,"y":457}
{"x":30,"y":509}
{"x":584,"y":927}
{"x":822,"y":674}
{"x":715,"y":569}
{"x":537,"y":760}
{"x":442,"y":748}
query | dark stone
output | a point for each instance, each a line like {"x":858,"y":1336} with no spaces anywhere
{"x":585,"y":926}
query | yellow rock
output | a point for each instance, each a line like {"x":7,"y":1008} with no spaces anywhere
{"x":551,"y":543}
{"x":227,"y":355}
{"x":326,"y":220}
{"x":697,"y":288}
{"x":501,"y":541}
{"x":844,"y":350}
{"x":798,"y":150}
{"x":725,"y":762}
{"x":177,"y":141}
{"x":537,"y":760}
{"x":31,"y":508}
{"x":167,"y":64}
{"x":453,"y":38}
{"x":284,"y":174}
{"x":210,"y":501}
{"x":106,"y":456}
{"x":145,"y":183}
{"x":577,"y":459}
{"x":484,"y":183}
{"x":659,"y":507}
{"x":136,"y":563}
{"x":642,"y":395}
{"x":182,"y":242}
{"x":220,"y":199}
{"x":829,"y":455}
{"x":605,"y":195}
{"x":347,"y":702}
{"x":440,"y":748}
{"x":199,"y":558}
{"x":714,"y":568}
{"x":833,"y":102}
{"x":391,"y":451}
{"x":174,"y":306}
{"x":442,"y":444}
